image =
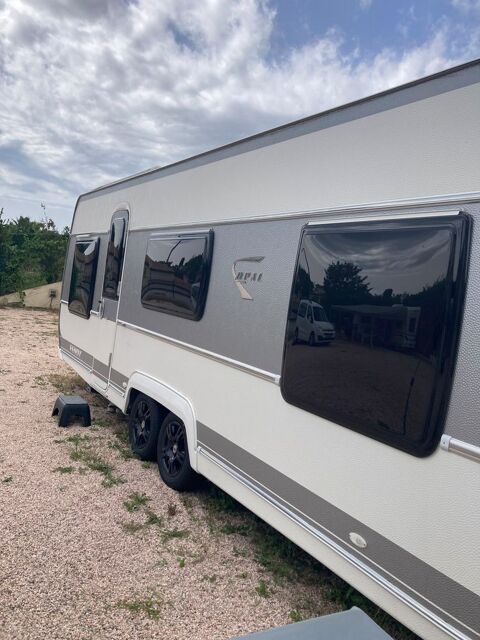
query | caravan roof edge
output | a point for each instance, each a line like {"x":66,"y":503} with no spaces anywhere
{"x":331,"y":117}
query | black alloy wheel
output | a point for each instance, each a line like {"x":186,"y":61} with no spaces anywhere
{"x":172,"y":455}
{"x":143,"y":427}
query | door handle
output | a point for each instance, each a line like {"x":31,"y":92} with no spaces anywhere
{"x":101,"y":307}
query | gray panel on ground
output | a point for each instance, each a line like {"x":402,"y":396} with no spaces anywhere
{"x":347,"y":625}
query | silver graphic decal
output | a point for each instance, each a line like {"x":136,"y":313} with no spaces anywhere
{"x":242,"y":277}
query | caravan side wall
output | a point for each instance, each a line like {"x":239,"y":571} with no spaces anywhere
{"x":314,"y":480}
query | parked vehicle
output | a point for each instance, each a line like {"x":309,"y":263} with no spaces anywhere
{"x":182,"y":297}
{"x":312,"y":324}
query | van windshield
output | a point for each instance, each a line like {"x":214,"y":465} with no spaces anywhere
{"x":319,"y":314}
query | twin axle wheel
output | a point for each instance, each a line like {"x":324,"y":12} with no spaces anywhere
{"x":154,"y":435}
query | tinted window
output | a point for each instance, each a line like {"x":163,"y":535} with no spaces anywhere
{"x":175,"y":275}
{"x":82,"y":283}
{"x":113,"y":265}
{"x":379,"y":362}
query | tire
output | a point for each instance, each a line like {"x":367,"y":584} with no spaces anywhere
{"x":311,"y":340}
{"x":143,"y":427}
{"x":172,"y":455}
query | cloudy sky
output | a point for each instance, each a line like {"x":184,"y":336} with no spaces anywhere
{"x":95,"y":90}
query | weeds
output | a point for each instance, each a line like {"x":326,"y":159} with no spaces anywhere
{"x":82,"y":452}
{"x":262,"y":589}
{"x":125,"y":451}
{"x":131,"y":527}
{"x":66,"y":384}
{"x":174,"y":534}
{"x":181,"y":562}
{"x":63,"y":470}
{"x":8,"y":479}
{"x":151,"y":606}
{"x":295,"y":615}
{"x":135,"y":501}
{"x":153,"y":519}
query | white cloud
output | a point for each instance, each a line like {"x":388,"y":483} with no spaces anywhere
{"x":93,"y":91}
{"x":365,"y":4}
{"x":467,"y":5}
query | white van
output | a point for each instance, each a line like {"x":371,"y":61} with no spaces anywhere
{"x":312,"y":324}
{"x":180,"y":303}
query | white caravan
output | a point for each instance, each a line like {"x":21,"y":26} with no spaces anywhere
{"x":180,"y":300}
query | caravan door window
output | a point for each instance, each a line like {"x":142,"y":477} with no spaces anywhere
{"x":82,"y":282}
{"x":115,"y":252}
{"x":387,"y":300}
{"x":176,"y":274}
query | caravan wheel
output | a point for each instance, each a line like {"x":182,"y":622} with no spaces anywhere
{"x":143,"y":427}
{"x":172,"y":455}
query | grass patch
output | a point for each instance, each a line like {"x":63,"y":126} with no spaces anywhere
{"x":295,"y":615}
{"x":181,"y":562}
{"x":153,"y":519}
{"x":241,"y":529}
{"x":146,"y":464}
{"x":135,"y":501}
{"x":63,"y":470}
{"x":151,"y":606}
{"x":124,"y":450}
{"x":174,"y":534}
{"x":82,"y":452}
{"x":66,"y":383}
{"x":131,"y":527}
{"x":40,"y":380}
{"x":262,"y":589}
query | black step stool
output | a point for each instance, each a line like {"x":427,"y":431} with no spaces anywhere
{"x":68,"y":407}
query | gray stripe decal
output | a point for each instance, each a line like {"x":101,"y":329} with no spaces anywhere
{"x":75,"y":352}
{"x":96,"y":366}
{"x":101,"y":370}
{"x":449,"y":596}
{"x":118,"y":379}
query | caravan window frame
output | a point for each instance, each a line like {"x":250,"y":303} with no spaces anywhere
{"x":93,"y":278}
{"x":168,"y":307}
{"x":106,"y":291}
{"x":459,"y":226}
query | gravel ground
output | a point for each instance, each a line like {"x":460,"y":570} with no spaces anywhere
{"x":75,"y":563}
{"x":94,"y":546}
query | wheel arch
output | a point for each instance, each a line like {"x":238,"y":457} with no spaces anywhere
{"x":170,"y":399}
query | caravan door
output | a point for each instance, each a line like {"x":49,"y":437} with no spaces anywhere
{"x":105,"y":316}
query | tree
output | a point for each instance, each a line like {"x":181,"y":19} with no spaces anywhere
{"x":343,"y":284}
{"x":31,"y":253}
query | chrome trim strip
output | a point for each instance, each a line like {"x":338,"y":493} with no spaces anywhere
{"x":63,"y":301}
{"x":331,"y":544}
{"x":416,"y":204}
{"x":260,"y":373}
{"x":393,"y":216}
{"x":448,"y":443}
